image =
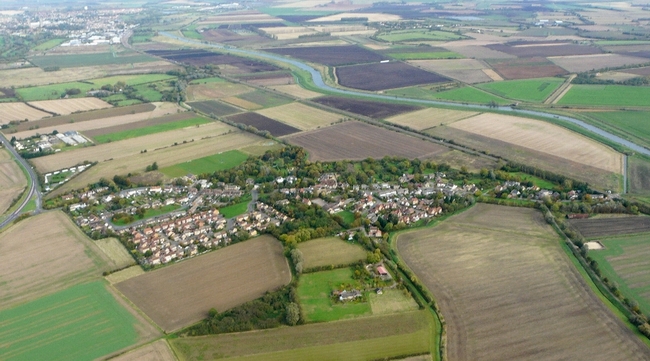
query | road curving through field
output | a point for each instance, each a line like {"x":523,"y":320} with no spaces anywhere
{"x":319,"y":83}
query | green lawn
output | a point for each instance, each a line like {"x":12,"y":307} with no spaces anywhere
{"x":625,"y":261}
{"x":48,"y":44}
{"x":72,"y":61}
{"x":420,"y":35}
{"x":159,"y":128}
{"x":465,"y":95}
{"x":315,"y":289}
{"x":236,"y":209}
{"x":427,"y":55}
{"x":83,"y":322}
{"x":531,"y":90}
{"x":348,"y":217}
{"x":54,"y":91}
{"x":616,"y":95}
{"x":131,"y":79}
{"x":209,"y":164}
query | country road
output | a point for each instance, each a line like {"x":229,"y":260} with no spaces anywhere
{"x":32,"y":185}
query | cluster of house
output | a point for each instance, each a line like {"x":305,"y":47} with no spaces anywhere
{"x":83,"y":27}
{"x":380,"y":272}
{"x":49,"y":142}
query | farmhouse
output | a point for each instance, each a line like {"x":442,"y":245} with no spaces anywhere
{"x":347,"y":296}
{"x":383,"y":273}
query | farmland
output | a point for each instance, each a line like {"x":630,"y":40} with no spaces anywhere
{"x":115,"y":252}
{"x":262,"y":122}
{"x":466,"y":70}
{"x":581,"y":63}
{"x":639,"y":175}
{"x":301,"y":116}
{"x":525,"y":68}
{"x":79,"y":60}
{"x":68,"y":106}
{"x":330,"y":251}
{"x":604,"y":227}
{"x":60,"y":255}
{"x":391,"y":300}
{"x":212,"y":90}
{"x":81,"y":322}
{"x":221,"y":279}
{"x":209,"y":164}
{"x":156,"y":351}
{"x":464,"y":94}
{"x":430,"y":117}
{"x":426,"y":55}
{"x":368,"y":338}
{"x":385,"y":76}
{"x":612,"y":95}
{"x":467,"y":262}
{"x":355,"y":140}
{"x":419,"y":35}
{"x":200,"y":57}
{"x":133,"y":161}
{"x":295,"y":90}
{"x":12,"y":180}
{"x":131,"y":79}
{"x":19,"y":112}
{"x":625,"y":261}
{"x":101,"y":128}
{"x":533,"y":90}
{"x":152,"y":129}
{"x":368,"y":108}
{"x":211,"y":107}
{"x":543,"y":137}
{"x":315,"y":294}
{"x":54,"y":91}
{"x":244,"y":104}
{"x":265,"y":99}
{"x":330,"y":55}
{"x":632,"y":124}
{"x":544,"y":49}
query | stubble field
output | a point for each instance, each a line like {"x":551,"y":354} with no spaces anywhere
{"x":466,"y":70}
{"x":156,"y":351}
{"x":183,"y":293}
{"x":355,"y":141}
{"x":301,"y":116}
{"x":507,"y":290}
{"x":20,"y":112}
{"x":581,"y":63}
{"x":430,"y":117}
{"x":330,"y":251}
{"x":68,"y":106}
{"x":605,"y":227}
{"x":296,"y":90}
{"x":12,"y":180}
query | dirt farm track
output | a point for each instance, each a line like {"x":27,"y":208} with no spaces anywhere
{"x":508,"y":291}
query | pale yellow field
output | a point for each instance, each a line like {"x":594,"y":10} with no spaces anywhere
{"x":245,"y":104}
{"x":69,"y":106}
{"x":391,"y":300}
{"x":130,"y":162}
{"x":161,"y":110}
{"x":296,"y":90}
{"x":543,"y":137}
{"x":492,"y":74}
{"x":128,"y":148}
{"x":430,"y":117}
{"x":116,"y":252}
{"x":580,"y":63}
{"x":124,"y":274}
{"x":43,"y":254}
{"x":12,"y":180}
{"x":36,"y":76}
{"x":215,"y":90}
{"x":155,"y":351}
{"x":301,"y":116}
{"x":466,"y":70}
{"x":19,"y":111}
{"x":372,"y":17}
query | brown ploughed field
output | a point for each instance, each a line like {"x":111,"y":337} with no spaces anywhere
{"x":368,"y":108}
{"x":605,"y":227}
{"x":379,"y":76}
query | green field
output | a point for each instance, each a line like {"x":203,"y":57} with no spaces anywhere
{"x":419,"y":35}
{"x":48,"y":44}
{"x":236,"y":209}
{"x":633,"y":124}
{"x":159,"y":128}
{"x":265,"y":99}
{"x":542,"y":183}
{"x":54,"y":91}
{"x":615,"y":95}
{"x":330,"y":251}
{"x":131,"y":79}
{"x":348,"y":217}
{"x":72,"y":61}
{"x":368,"y":338}
{"x":149,"y":92}
{"x":208,"y":81}
{"x":531,"y":90}
{"x":315,"y":290}
{"x":464,"y":95}
{"x":83,"y":322}
{"x":427,"y":55}
{"x":209,"y":164}
{"x":626,"y":260}
{"x":192,"y":34}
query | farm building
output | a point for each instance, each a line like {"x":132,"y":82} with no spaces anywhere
{"x":347,"y":296}
{"x":383,"y":273}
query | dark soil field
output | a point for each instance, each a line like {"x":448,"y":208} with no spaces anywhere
{"x":331,"y":55}
{"x":7,"y":93}
{"x":141,"y":124}
{"x":640,"y":54}
{"x":214,"y":107}
{"x":604,"y":227}
{"x":261,"y":122}
{"x":181,"y":294}
{"x":203,"y":57}
{"x":85,"y":116}
{"x":377,"y":76}
{"x":280,"y":78}
{"x":529,"y":50}
{"x":645,"y":71}
{"x":365,"y":107}
{"x":356,"y":140}
{"x":525,"y":68}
